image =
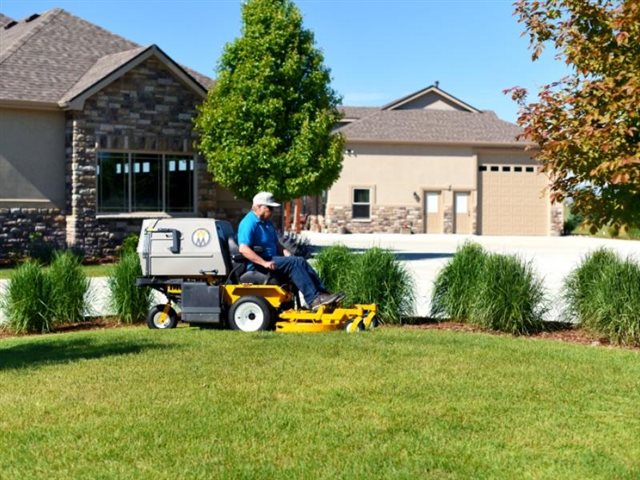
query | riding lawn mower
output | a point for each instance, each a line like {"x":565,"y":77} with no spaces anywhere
{"x":196,"y":265}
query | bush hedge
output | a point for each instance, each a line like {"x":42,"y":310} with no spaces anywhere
{"x":37,"y":298}
{"x":68,"y":287}
{"x":27,"y":298}
{"x":603,"y":295}
{"x":375,"y":276}
{"x":495,"y":291}
{"x":130,"y":302}
{"x":454,"y":288}
{"x":509,"y":297}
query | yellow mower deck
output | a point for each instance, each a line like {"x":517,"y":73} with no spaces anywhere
{"x":326,"y":319}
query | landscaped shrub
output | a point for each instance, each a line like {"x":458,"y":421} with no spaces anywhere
{"x":509,"y":298}
{"x":374,"y":276}
{"x":129,"y":244}
{"x":378,"y":277}
{"x":334,"y":265}
{"x":603,"y":294}
{"x":40,"y":250}
{"x":26,"y":299}
{"x":131,"y":303}
{"x":455,"y":286}
{"x":583,"y":282}
{"x":68,"y":287}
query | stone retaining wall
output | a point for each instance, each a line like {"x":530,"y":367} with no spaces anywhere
{"x":20,"y":228}
{"x":384,"y":219}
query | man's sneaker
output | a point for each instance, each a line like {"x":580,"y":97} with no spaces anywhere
{"x":324,"y":299}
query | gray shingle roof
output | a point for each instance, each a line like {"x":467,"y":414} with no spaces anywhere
{"x":56,"y":55}
{"x":433,"y":127}
{"x":4,"y":20}
{"x":357,"y":112}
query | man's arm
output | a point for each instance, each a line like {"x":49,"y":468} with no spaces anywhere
{"x":253,"y":257}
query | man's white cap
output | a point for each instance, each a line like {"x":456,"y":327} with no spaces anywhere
{"x":265,"y":198}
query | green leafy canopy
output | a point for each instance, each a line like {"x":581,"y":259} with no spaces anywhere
{"x":587,"y":125}
{"x":267,"y":123}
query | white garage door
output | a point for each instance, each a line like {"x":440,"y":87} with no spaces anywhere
{"x":514,"y":200}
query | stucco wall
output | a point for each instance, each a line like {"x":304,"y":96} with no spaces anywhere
{"x":398,"y":176}
{"x":32,"y":156}
{"x":399,"y":170}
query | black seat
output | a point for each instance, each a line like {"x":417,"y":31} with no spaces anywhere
{"x":235,"y":262}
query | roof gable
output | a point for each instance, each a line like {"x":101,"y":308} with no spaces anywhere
{"x":55,"y":57}
{"x":111,"y":67}
{"x":430,"y":98}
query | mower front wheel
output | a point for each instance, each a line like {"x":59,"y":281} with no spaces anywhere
{"x":157,"y":318}
{"x":251,"y":314}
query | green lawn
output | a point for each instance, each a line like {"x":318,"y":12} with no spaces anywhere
{"x":89,"y":270}
{"x":394,"y":403}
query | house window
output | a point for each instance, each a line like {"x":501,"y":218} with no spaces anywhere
{"x":361,"y":206}
{"x":145,"y":182}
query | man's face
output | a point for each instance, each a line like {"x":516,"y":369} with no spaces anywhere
{"x":265,"y":212}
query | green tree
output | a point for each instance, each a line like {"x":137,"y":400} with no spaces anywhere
{"x":587,"y":125}
{"x":267,"y":122}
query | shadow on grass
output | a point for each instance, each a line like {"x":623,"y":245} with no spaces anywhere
{"x":54,"y":351}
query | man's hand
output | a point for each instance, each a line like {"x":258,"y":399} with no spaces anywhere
{"x":252,"y":256}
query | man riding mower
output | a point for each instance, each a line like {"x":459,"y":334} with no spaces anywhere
{"x":198,"y":265}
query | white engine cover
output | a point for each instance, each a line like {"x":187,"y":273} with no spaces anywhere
{"x":181,"y":247}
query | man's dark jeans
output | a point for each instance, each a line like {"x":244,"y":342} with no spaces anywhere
{"x":302,"y":275}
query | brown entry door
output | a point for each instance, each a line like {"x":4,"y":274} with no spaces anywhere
{"x":461,"y":206}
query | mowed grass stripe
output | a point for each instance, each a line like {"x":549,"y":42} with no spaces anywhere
{"x":394,"y":403}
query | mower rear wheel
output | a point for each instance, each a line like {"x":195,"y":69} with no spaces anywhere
{"x":251,"y":314}
{"x":158,"y":319}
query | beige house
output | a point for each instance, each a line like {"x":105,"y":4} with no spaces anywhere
{"x":431,"y":163}
{"x":96,"y":133}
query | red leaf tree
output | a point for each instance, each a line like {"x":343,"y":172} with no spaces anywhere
{"x":587,"y":125}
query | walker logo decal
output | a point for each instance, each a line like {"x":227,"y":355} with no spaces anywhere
{"x":201,"y":237}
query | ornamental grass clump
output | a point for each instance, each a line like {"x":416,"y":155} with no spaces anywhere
{"x":68,"y":288}
{"x":27,"y":298}
{"x":334,"y":265}
{"x":603,"y":295}
{"x":509,"y":297}
{"x":455,"y":286}
{"x":375,"y":276}
{"x":130,"y":303}
{"x":583,"y":282}
{"x":378,"y":277}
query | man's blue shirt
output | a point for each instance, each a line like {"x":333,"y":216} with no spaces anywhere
{"x":254,"y":232}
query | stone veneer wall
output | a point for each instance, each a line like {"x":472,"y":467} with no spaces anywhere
{"x":384,"y":219}
{"x":18,"y":226}
{"x":557,"y":219}
{"x":146,"y":110}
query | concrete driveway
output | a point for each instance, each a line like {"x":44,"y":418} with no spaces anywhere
{"x":424,"y":255}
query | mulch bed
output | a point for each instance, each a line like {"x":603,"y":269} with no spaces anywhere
{"x":558,"y":332}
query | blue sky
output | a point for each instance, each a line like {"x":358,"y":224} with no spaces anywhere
{"x":377,"y":50}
